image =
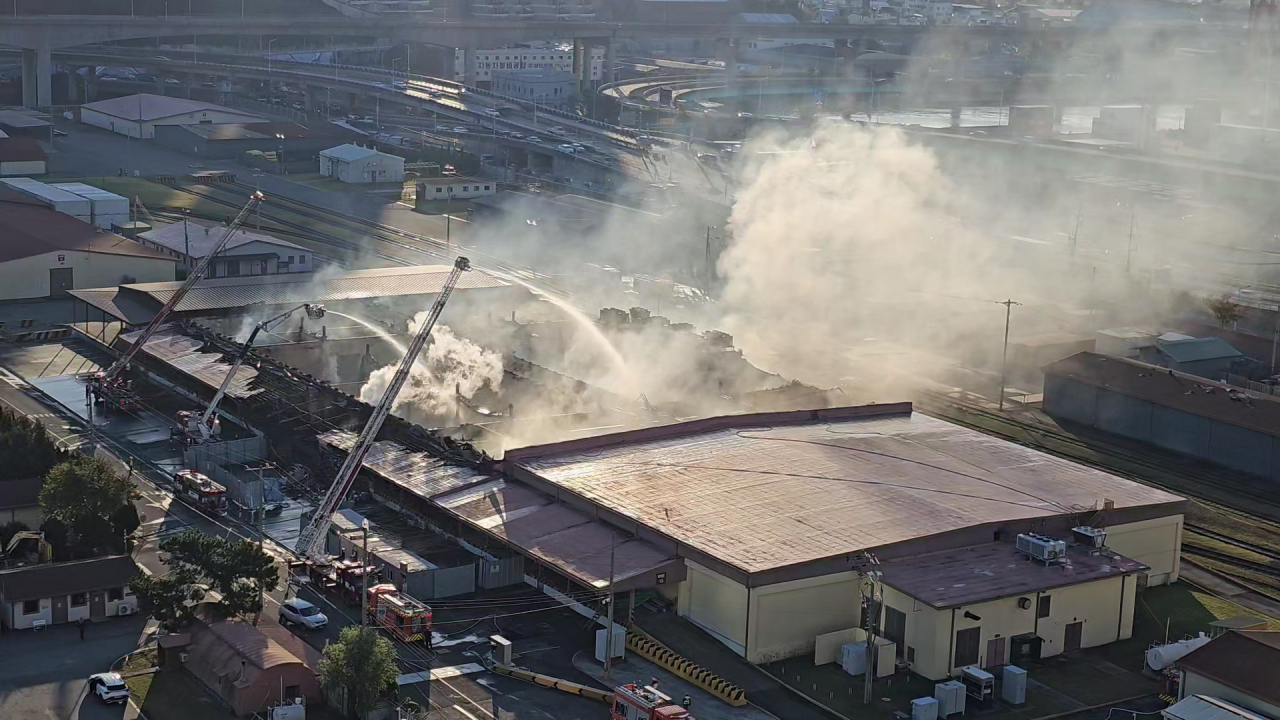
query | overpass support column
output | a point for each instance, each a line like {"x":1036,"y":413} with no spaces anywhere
{"x":37,"y":77}
{"x":610,"y":73}
{"x":581,"y":62}
{"x":469,"y":74}
{"x":731,"y":63}
{"x":955,"y":116}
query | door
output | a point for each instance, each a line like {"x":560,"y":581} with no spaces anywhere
{"x":995,"y":652}
{"x":59,"y":609}
{"x":97,"y":605}
{"x":895,"y":628}
{"x":1071,"y":640}
{"x":59,"y":282}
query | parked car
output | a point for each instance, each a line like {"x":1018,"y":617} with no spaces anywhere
{"x":297,"y":611}
{"x":109,"y":687}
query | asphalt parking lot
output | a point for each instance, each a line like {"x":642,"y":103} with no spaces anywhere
{"x":43,"y":674}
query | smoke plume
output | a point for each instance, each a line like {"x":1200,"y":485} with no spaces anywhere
{"x":449,"y":366}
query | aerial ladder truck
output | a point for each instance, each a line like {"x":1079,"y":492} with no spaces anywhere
{"x":110,"y":385}
{"x":196,"y":428}
{"x":399,"y":613}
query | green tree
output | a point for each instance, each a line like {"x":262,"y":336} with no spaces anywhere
{"x":235,"y":569}
{"x":93,"y":503}
{"x":26,"y":450}
{"x":172,"y":597}
{"x":363,"y":662}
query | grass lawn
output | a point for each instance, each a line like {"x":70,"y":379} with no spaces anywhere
{"x":170,"y":694}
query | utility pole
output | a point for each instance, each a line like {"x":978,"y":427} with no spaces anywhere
{"x":448,"y":220}
{"x":865,"y":566}
{"x":186,"y":239}
{"x":708,"y":257}
{"x":364,"y":575}
{"x":1275,"y":338}
{"x":1075,"y":234}
{"x":262,"y":511}
{"x":608,"y":638}
{"x":1004,"y":355}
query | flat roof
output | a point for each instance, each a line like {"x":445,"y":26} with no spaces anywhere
{"x":284,"y":289}
{"x":15,"y":119}
{"x":992,"y":571}
{"x":771,"y":490}
{"x":149,"y":107}
{"x":21,"y":149}
{"x":30,"y":228}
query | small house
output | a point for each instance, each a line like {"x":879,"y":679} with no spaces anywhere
{"x":55,"y":593}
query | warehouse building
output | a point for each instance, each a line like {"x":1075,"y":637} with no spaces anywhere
{"x":355,"y":164}
{"x":139,"y":115}
{"x":231,"y":142}
{"x":47,"y":253}
{"x":21,"y":156}
{"x":1175,"y":411}
{"x":755,"y":526}
{"x":1208,"y":357}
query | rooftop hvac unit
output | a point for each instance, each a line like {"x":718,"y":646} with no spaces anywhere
{"x":1090,"y":536}
{"x":1013,"y":685}
{"x":1041,"y":547}
{"x":925,"y":708}
{"x":950,"y":697}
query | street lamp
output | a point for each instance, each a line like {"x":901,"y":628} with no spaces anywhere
{"x":1004,"y":355}
{"x":280,"y":153}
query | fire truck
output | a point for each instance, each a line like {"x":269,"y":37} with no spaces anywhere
{"x":201,"y":490}
{"x":349,"y":576}
{"x":635,"y":702}
{"x":404,"y":616}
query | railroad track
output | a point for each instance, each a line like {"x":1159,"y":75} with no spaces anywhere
{"x":1223,"y":538}
{"x":1233,"y":561}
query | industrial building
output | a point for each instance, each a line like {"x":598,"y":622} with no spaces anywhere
{"x":48,"y":253}
{"x":1183,"y":413}
{"x":231,"y":142}
{"x":355,"y":164}
{"x":754,"y":526}
{"x":1208,"y":357}
{"x":139,"y":115}
{"x":106,"y":209}
{"x":246,"y":254}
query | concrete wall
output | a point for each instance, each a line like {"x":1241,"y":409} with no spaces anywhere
{"x":1221,"y":443}
{"x":30,"y":167}
{"x":1193,"y":684}
{"x":29,"y":277}
{"x":1104,"y":607}
{"x":716,"y":604}
{"x":786,"y":617}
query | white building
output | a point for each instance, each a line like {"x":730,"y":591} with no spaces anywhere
{"x":46,"y":253}
{"x":246,"y":253}
{"x":532,"y":57}
{"x":936,"y":12}
{"x":970,"y":15}
{"x":65,"y":592}
{"x":543,"y":86}
{"x":107,"y":209}
{"x":454,"y":188}
{"x":138,"y":115}
{"x":355,"y":164}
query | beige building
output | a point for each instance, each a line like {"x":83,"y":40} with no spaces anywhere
{"x":56,"y":593}
{"x":138,"y":115}
{"x":1241,"y":667}
{"x":776,"y":517}
{"x":46,"y":253}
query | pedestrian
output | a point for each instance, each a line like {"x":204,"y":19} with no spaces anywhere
{"x":687,"y":702}
{"x":653,"y":683}
{"x":81,"y":623}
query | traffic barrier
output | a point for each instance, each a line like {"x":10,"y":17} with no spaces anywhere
{"x":555,"y":683}
{"x":655,"y":651}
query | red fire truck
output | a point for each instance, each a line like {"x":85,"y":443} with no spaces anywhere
{"x":635,"y":702}
{"x":206,"y":494}
{"x":404,"y":616}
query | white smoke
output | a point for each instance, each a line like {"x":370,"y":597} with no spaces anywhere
{"x":449,"y":366}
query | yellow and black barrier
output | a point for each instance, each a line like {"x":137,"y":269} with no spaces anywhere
{"x":655,"y":651}
{"x":590,"y":693}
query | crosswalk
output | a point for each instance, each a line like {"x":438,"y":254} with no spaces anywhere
{"x":13,"y":380}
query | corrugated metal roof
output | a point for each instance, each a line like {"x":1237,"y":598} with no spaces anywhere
{"x":182,"y":352}
{"x":536,"y":523}
{"x":149,"y":107}
{"x":1194,"y":349}
{"x":760,"y":498}
{"x":227,"y":293}
{"x":1203,"y":707}
{"x":131,"y":309}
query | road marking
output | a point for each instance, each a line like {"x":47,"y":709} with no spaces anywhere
{"x":439,"y":673}
{"x":12,"y":379}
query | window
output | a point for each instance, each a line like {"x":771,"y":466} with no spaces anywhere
{"x":1043,"y":608}
{"x":30,"y":607}
{"x":79,"y":599}
{"x":290,"y":260}
{"x":302,"y":259}
{"x":233,"y":268}
{"x":486,"y":187}
{"x":967,"y":647}
{"x":115,"y":594}
{"x":439,"y":189}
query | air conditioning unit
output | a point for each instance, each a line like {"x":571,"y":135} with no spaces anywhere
{"x":183,"y":657}
{"x":124,"y":610}
{"x":1090,"y":536}
{"x":1041,"y":547}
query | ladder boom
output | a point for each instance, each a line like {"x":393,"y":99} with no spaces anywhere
{"x":110,"y":374}
{"x":311,"y":539}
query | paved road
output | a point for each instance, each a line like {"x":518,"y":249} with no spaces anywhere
{"x":42,"y":674}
